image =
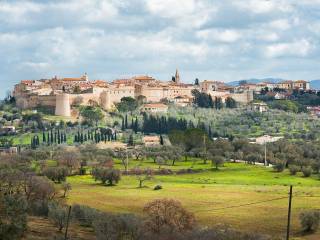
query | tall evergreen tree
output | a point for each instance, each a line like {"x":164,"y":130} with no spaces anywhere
{"x":136,"y":125}
{"x":122,"y":124}
{"x":126,"y":122}
{"x":44,"y":137}
{"x":131,"y":141}
{"x":161,"y":140}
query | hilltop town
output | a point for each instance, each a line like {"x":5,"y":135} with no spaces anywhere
{"x":60,"y":94}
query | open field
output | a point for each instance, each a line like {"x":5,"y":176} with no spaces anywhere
{"x":213,"y":196}
{"x":42,"y":229}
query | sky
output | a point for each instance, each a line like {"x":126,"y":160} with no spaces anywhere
{"x":207,"y":39}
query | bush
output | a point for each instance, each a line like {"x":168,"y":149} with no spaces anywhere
{"x":157,"y":187}
{"x":57,"y":214}
{"x":307,"y":171}
{"x":293,"y":169}
{"x":84,"y":215}
{"x":279,"y":166}
{"x":309,"y":220}
{"x":164,"y":171}
{"x":13,"y":217}
{"x":56,"y":174}
{"x":167,"y":215}
{"x":104,"y":175}
{"x":39,"y":208}
{"x":124,"y":226}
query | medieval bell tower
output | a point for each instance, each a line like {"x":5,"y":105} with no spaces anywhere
{"x":177,"y":76}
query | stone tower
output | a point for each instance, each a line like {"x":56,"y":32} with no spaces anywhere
{"x":63,"y":105}
{"x":105,"y":100}
{"x":177,"y":76}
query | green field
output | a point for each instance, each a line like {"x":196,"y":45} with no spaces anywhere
{"x":214,"y":196}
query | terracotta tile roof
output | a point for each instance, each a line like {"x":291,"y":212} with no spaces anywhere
{"x":286,"y":82}
{"x":300,"y":81}
{"x":27,"y":82}
{"x":143,"y":78}
{"x":155,"y":105}
{"x":73,"y":79}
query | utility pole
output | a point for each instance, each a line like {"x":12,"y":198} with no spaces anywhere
{"x":289,"y":213}
{"x":265,"y":153}
{"x":127,"y":161}
{"x":205,"y":147}
{"x":67,"y":226}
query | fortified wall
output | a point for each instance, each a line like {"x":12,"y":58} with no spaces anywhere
{"x":62,"y":93}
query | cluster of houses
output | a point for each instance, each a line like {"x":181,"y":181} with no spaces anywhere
{"x":287,"y":85}
{"x":63,"y":93}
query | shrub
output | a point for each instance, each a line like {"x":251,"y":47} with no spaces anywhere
{"x":56,"y":174}
{"x":167,"y":215}
{"x":164,"y":171}
{"x":217,"y":161}
{"x":307,"y":171}
{"x":309,"y":220}
{"x":38,"y":208}
{"x":279,"y":166}
{"x":57,"y":214}
{"x":84,"y":215}
{"x":124,"y":226}
{"x":13,"y":217}
{"x":104,"y":175}
{"x":316,"y":166}
{"x":66,"y":187}
{"x":293,"y":169}
{"x":157,"y":187}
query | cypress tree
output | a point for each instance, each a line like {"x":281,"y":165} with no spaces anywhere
{"x":81,"y":138}
{"x":136,"y":125}
{"x":126,"y":122}
{"x":122,"y":124}
{"x":161,"y":140}
{"x":130,"y":141}
{"x":48,"y":137}
{"x":51,"y":136}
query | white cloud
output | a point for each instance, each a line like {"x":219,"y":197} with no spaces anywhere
{"x":280,"y":24}
{"x":264,"y":6}
{"x":300,"y":48}
{"x":190,"y":13}
{"x":224,"y":35}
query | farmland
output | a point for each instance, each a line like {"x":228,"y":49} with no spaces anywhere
{"x":214,"y":196}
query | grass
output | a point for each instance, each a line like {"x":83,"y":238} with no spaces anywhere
{"x":42,"y":229}
{"x":211,"y":196}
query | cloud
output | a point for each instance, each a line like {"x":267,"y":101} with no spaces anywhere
{"x":299,"y":48}
{"x":191,"y":13}
{"x":210,"y":39}
{"x":280,"y":24}
{"x":224,"y":35}
{"x":264,"y":6}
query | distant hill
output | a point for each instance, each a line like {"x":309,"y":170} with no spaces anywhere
{"x":314,"y":84}
{"x":256,"y":80}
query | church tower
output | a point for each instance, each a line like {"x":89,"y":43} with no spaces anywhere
{"x":177,"y":77}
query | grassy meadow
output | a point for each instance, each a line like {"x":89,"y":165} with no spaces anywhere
{"x":223,"y":196}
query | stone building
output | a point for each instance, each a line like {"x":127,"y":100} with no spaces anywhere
{"x":61,"y":94}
